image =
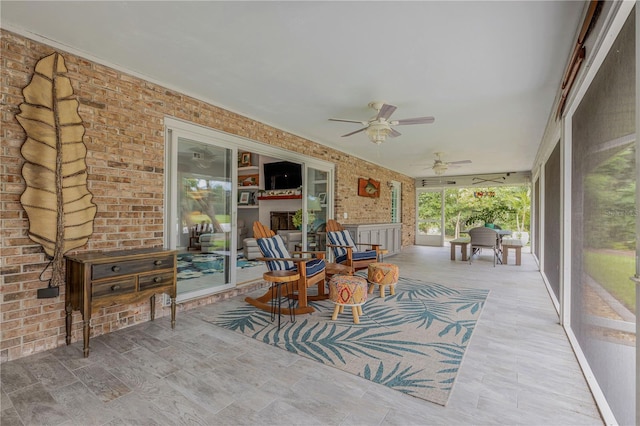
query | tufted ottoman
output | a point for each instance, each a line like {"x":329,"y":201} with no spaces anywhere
{"x":348,"y":290}
{"x":383,"y":274}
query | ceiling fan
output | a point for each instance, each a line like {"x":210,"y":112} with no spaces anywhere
{"x":379,"y":127}
{"x":439,"y":166}
{"x":202,"y":157}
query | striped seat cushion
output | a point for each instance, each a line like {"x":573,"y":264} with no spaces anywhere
{"x":341,"y":238}
{"x":315,"y":266}
{"x":358,"y":255}
{"x":275,"y":247}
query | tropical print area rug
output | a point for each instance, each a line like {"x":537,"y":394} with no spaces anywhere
{"x":413,"y":342}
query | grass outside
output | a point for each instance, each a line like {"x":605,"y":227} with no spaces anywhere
{"x":612,"y":272}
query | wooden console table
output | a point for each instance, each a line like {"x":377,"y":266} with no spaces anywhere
{"x":99,"y":279}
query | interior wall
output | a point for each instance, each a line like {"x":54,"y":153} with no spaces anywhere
{"x":123,"y":118}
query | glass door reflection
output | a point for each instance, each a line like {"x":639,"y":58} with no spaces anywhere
{"x":204,"y":212}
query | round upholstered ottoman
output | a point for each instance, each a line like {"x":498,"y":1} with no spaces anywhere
{"x":383,"y":274}
{"x":348,"y":290}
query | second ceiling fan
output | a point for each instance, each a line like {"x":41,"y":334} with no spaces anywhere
{"x":439,"y":166}
{"x":379,"y":127}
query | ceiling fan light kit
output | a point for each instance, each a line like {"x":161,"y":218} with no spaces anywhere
{"x":440,"y":168}
{"x":378,"y":133}
{"x":379,"y":128}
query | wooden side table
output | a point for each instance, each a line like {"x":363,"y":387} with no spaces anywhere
{"x":381,"y":253}
{"x":277,"y":279}
{"x":337,"y":269}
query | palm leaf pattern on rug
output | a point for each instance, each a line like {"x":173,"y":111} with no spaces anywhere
{"x":319,"y":340}
{"x":413,"y":341}
{"x":244,"y":318}
{"x":472,"y":299}
{"x":398,"y":379}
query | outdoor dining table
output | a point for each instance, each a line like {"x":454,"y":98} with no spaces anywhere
{"x":501,"y":232}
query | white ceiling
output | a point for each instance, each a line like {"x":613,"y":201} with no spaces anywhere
{"x":487,"y":71}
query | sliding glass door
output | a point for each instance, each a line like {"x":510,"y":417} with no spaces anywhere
{"x":202,"y":209}
{"x":317,"y":202}
{"x":213,"y":186}
{"x":603,"y":225}
{"x":429,"y":223}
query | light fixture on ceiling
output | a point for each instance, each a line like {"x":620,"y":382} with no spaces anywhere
{"x":440,"y":168}
{"x":380,"y":127}
{"x":378,"y":132}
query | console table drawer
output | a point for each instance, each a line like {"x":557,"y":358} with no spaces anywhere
{"x":155,"y":280}
{"x":115,"y":269}
{"x":113,"y":287}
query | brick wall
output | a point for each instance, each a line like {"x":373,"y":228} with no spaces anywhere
{"x":123,"y":117}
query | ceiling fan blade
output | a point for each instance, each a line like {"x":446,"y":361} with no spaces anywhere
{"x":353,"y":133}
{"x":346,"y":121}
{"x":385,"y":111}
{"x":394,"y":133}
{"x":460,"y":162}
{"x":417,"y":120}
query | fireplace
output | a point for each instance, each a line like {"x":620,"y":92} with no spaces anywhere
{"x":282,"y":221}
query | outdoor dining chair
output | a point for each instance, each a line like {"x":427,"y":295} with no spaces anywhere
{"x":482,"y":237}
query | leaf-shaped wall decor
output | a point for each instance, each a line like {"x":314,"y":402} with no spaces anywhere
{"x":56,"y":199}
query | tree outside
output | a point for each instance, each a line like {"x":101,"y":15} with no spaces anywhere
{"x":206,"y":201}
{"x":466,"y":207}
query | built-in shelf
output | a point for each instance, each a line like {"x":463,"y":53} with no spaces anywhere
{"x":280,"y":197}
{"x":252,"y":206}
{"x":248,"y":187}
{"x":248,"y":169}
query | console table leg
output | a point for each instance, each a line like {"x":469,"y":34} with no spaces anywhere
{"x":86,"y":335}
{"x":173,"y":312}
{"x":152,"y":302}
{"x":67,"y":322}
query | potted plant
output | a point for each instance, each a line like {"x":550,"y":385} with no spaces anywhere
{"x":489,"y":215}
{"x":298,"y":218}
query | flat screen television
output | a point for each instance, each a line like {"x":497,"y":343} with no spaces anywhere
{"x":282,"y":175}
